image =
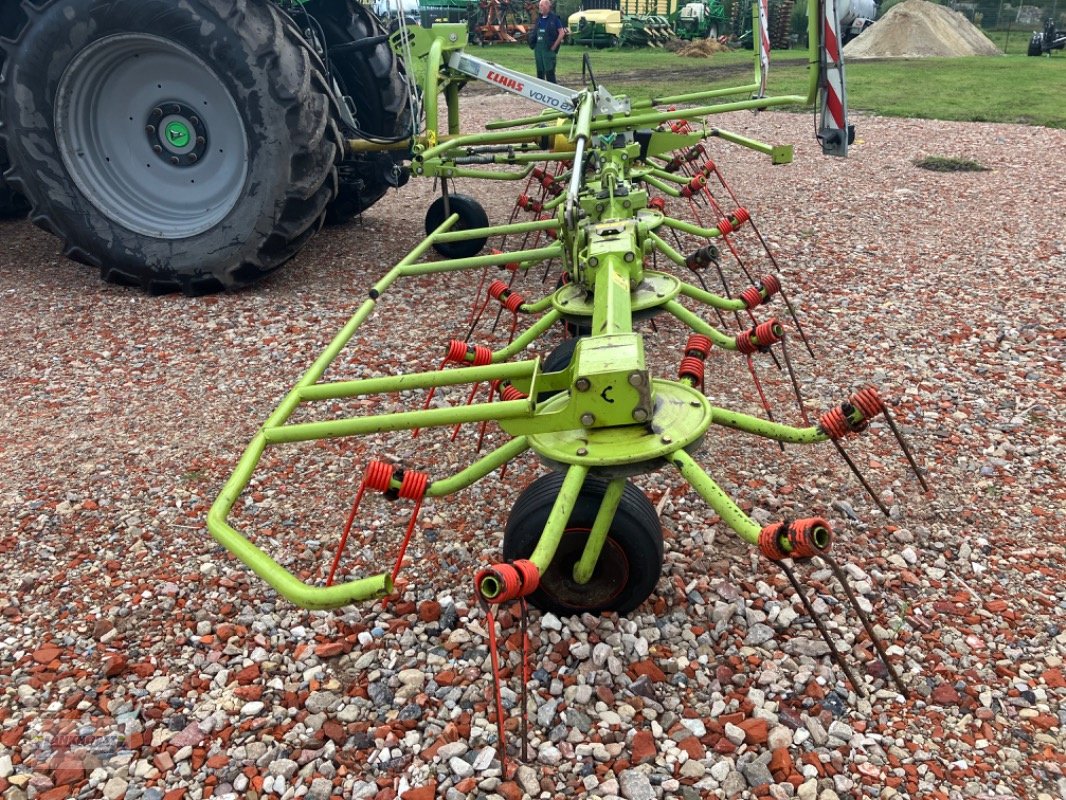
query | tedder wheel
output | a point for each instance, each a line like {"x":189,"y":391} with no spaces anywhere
{"x":630,"y":562}
{"x":373,"y":78}
{"x":557,"y":359}
{"x":471,"y":215}
{"x":173,"y":145}
{"x":12,"y":204}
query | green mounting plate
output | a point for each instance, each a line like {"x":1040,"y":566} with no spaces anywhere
{"x":681,"y":417}
{"x":648,"y":297}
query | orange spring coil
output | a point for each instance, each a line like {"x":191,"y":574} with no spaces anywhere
{"x":509,"y":392}
{"x":510,"y":265}
{"x":694,"y":186}
{"x":868,"y":402}
{"x":801,"y":536}
{"x":459,"y":350}
{"x":835,"y":424}
{"x":378,"y":475}
{"x":765,"y":334}
{"x":691,"y":367}
{"x":771,"y":284}
{"x":552,"y":234}
{"x":752,"y":297}
{"x":709,"y":166}
{"x":414,"y":484}
{"x":657,"y":203}
{"x":516,"y":579}
{"x":770,"y":541}
{"x":497,"y":289}
{"x":698,"y":345}
{"x":529,"y":204}
{"x":741,"y":215}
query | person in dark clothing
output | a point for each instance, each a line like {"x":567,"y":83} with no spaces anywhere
{"x":550,"y":35}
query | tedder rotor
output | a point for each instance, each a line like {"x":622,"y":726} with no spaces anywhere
{"x":604,"y":178}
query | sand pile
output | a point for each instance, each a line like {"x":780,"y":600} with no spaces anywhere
{"x":918,"y":29}
{"x":701,"y":48}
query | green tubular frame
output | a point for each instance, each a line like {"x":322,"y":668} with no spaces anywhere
{"x":604,"y":234}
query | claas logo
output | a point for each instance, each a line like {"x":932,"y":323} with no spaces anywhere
{"x":503,"y":80}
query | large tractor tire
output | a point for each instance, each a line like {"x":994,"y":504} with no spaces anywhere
{"x":373,"y":78}
{"x":176,"y":146}
{"x":12,"y":204}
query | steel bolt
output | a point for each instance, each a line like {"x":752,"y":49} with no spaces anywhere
{"x":175,"y":160}
{"x":666,"y":439}
{"x":629,"y":257}
{"x":594,"y":262}
{"x":582,"y":451}
{"x":157,"y":149}
{"x":157,"y":112}
{"x":149,"y":129}
{"x":640,"y":414}
{"x":194,"y":120}
{"x":582,"y":384}
{"x":636,"y":379}
{"x":587,"y":419}
{"x":193,"y":158}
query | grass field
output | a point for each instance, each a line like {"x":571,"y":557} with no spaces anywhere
{"x":1011,"y":88}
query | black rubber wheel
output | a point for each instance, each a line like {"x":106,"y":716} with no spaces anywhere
{"x":630,"y":563}
{"x":373,"y":78}
{"x":471,"y":215}
{"x":12,"y":204}
{"x":170,"y":158}
{"x":1036,"y":44}
{"x":557,"y":359}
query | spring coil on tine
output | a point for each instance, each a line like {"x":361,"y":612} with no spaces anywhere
{"x":692,"y":368}
{"x":509,"y":392}
{"x":698,"y":345}
{"x":459,"y":351}
{"x":514,"y":580}
{"x":379,"y":475}
{"x":657,"y":204}
{"x":801,"y":536}
{"x":765,"y":334}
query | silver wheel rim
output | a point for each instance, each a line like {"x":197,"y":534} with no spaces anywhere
{"x":151,"y":136}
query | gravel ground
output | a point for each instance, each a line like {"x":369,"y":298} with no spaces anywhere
{"x":125,"y":413}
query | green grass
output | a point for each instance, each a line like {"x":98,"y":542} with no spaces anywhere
{"x":1012,"y":88}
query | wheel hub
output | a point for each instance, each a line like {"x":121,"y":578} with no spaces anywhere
{"x":680,"y":418}
{"x":176,"y":134}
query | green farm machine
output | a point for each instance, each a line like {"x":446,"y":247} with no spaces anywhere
{"x":644,"y":23}
{"x":180,"y":162}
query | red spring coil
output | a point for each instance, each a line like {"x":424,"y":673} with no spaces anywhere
{"x":552,"y":233}
{"x":741,"y":216}
{"x":771,"y":284}
{"x":752,"y":297}
{"x":510,"y":265}
{"x":539,"y":174}
{"x":868,"y":402}
{"x":497,"y":289}
{"x":692,"y":368}
{"x":414,"y":484}
{"x":456,"y":351}
{"x":378,"y":475}
{"x":694,"y":154}
{"x":709,"y":166}
{"x":513,"y":302}
{"x":657,"y":203}
{"x":695,"y":186}
{"x":529,"y":204}
{"x":768,"y":333}
{"x":764,"y":334}
{"x":835,"y":424}
{"x":509,"y":392}
{"x":698,"y":345}
{"x":459,"y":351}
{"x":725,"y":227}
{"x":514,"y":580}
{"x":673,"y":165}
{"x":564,"y":278}
{"x":803,"y":537}
{"x":770,"y":541}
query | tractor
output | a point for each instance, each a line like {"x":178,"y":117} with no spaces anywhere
{"x":195,"y":146}
{"x":1041,"y":43}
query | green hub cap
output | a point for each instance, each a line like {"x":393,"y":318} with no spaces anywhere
{"x":177,"y":133}
{"x":681,"y":417}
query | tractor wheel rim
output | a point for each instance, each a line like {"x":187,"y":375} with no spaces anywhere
{"x":608,"y":580}
{"x":151,"y":136}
